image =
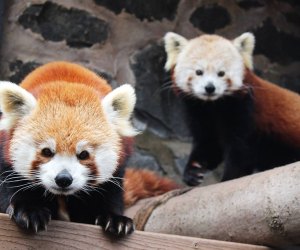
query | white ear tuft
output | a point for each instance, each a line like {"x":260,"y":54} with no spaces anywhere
{"x":15,"y":102}
{"x":245,"y":45}
{"x":118,"y":106}
{"x":174,"y":44}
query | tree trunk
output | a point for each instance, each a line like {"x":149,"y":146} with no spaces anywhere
{"x":263,"y":209}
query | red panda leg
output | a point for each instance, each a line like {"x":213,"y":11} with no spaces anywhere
{"x":115,"y":224}
{"x":30,"y":217}
{"x":110,"y":209}
{"x":205,"y":156}
{"x":29,"y":208}
{"x":239,"y":160}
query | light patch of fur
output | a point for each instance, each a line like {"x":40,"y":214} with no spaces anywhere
{"x":83,"y":145}
{"x":106,"y":158}
{"x":174,"y":44}
{"x":62,"y":209}
{"x":118,"y":106}
{"x":211,"y":54}
{"x":58,"y":163}
{"x":22,"y":152}
{"x":245,"y":44}
{"x":49,"y":143}
{"x":15,"y":103}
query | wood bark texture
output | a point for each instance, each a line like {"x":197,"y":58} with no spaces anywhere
{"x":262,"y":208}
{"x":66,"y":235}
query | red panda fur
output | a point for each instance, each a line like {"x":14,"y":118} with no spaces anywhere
{"x":140,"y":184}
{"x":272,"y":100}
{"x":66,"y":72}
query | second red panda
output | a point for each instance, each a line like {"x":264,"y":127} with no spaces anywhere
{"x":233,"y":115}
{"x":65,"y":136}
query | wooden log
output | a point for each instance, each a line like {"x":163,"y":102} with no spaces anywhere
{"x":262,"y":209}
{"x":66,"y":235}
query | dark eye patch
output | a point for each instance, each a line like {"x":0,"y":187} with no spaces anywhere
{"x":176,"y":43}
{"x":47,"y":152}
{"x":221,"y":73}
{"x":84,"y":155}
{"x":199,"y":72}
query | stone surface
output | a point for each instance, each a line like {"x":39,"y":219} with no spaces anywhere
{"x":249,"y":4}
{"x":1,"y":19}
{"x":290,"y":82}
{"x":169,"y":154}
{"x":293,"y":17}
{"x":142,"y":159}
{"x":19,"y":70}
{"x":157,"y":104}
{"x":210,"y":18}
{"x":149,"y":10}
{"x":275,"y":44}
{"x":291,"y":2}
{"x":57,"y":23}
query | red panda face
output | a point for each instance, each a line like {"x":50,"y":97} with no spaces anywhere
{"x":70,"y":139}
{"x":209,"y":67}
{"x":67,"y":148}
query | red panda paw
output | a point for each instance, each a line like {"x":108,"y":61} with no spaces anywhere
{"x":116,"y":225}
{"x":194,"y":174}
{"x":30,"y":217}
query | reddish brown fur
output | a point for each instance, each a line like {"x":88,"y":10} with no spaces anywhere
{"x":5,"y":138}
{"x":229,"y":82}
{"x":67,"y":72}
{"x":90,"y":163}
{"x":174,"y":86}
{"x":139,"y":184}
{"x":127,"y":144}
{"x":38,"y":161}
{"x":277,"y":109}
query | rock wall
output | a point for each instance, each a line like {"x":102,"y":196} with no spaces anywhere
{"x":121,"y":40}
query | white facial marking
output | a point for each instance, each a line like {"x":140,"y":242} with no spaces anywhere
{"x":211,"y":58}
{"x":23,"y":153}
{"x":106,"y":159}
{"x":15,"y":103}
{"x":83,"y":145}
{"x":118,"y":106}
{"x":58,"y":163}
{"x":50,"y":143}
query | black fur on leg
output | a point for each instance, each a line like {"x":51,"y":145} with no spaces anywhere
{"x":220,"y":130}
{"x":30,"y":217}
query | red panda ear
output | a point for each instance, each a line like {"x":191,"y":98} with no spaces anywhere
{"x":174,"y":44}
{"x":15,"y":102}
{"x":245,"y":45}
{"x":118,"y":106}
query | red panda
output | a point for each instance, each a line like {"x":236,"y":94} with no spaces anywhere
{"x":64,"y":142}
{"x":233,"y":115}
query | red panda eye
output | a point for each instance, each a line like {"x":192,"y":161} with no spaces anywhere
{"x":199,"y":72}
{"x":83,"y":155}
{"x":221,"y":73}
{"x":46,"y":152}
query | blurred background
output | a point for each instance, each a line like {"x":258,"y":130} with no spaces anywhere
{"x":121,"y":40}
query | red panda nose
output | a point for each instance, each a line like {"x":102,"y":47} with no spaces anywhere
{"x":210,"y":88}
{"x":64,"y":179}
